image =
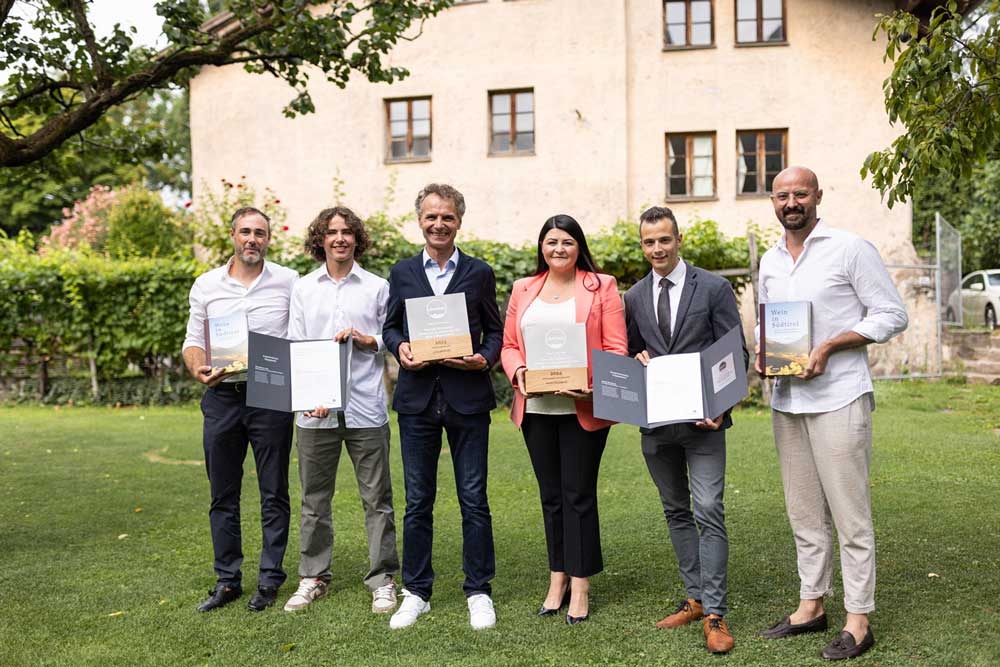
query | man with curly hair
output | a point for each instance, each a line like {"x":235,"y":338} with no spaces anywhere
{"x":341,"y":300}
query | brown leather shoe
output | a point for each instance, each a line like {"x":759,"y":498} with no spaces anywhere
{"x":717,"y":637}
{"x":687,"y":612}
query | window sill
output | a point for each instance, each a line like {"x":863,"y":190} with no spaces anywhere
{"x":691,"y":47}
{"x":512,"y":154}
{"x":753,"y":45}
{"x":405,"y":160}
{"x":683,"y":200}
{"x":753,"y":195}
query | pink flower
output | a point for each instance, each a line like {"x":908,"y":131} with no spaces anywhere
{"x":187,"y":205}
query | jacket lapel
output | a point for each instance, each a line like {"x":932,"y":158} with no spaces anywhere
{"x":691,"y":283}
{"x":647,"y":316}
{"x":419,"y":276}
{"x":464,"y":266}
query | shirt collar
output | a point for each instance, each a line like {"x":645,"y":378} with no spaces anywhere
{"x":229,"y":265}
{"x":451,"y":263}
{"x":355,"y":272}
{"x":676,"y":276}
{"x":820,"y":231}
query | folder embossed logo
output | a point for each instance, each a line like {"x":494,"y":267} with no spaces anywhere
{"x":556,"y":356}
{"x":438,"y":327}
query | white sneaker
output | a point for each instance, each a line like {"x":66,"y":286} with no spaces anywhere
{"x":309,"y":589}
{"x":384,"y":598}
{"x":481,"y":613}
{"x":411,"y":607}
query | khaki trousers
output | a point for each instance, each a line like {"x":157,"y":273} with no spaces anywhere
{"x":825,"y":459}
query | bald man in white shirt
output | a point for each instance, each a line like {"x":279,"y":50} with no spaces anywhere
{"x":822,"y":417}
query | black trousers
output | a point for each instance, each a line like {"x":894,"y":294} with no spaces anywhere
{"x":566,"y":459}
{"x":229,"y":426}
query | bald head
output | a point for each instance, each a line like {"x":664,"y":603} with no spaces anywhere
{"x":795,"y":195}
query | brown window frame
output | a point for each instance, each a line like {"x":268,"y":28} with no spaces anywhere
{"x":761,"y":154}
{"x":409,"y":157}
{"x":687,"y":28}
{"x":760,"y":25}
{"x":513,"y":92}
{"x":689,"y":138}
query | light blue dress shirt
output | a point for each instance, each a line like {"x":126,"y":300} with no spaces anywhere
{"x":440,"y":278}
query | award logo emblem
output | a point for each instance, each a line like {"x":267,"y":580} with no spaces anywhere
{"x":436,"y":309}
{"x":555,"y":339}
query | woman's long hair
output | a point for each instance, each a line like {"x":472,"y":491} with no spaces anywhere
{"x":584,"y":260}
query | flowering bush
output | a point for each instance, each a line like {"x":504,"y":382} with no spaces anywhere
{"x":85,"y":225}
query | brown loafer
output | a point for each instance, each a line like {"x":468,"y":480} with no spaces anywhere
{"x":785,"y":627}
{"x":717,"y":637}
{"x":844,"y":646}
{"x":688,"y":611}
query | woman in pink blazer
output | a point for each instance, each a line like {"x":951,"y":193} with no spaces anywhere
{"x":564,"y":439}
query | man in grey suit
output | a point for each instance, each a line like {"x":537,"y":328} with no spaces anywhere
{"x":680,"y":308}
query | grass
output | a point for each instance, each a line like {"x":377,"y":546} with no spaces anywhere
{"x":106,"y":551}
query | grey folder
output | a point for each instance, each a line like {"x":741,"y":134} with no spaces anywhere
{"x":269,"y":376}
{"x":620,"y":383}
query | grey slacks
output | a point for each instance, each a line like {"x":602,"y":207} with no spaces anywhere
{"x":825,"y":459}
{"x":689,"y":470}
{"x":319,"y":455}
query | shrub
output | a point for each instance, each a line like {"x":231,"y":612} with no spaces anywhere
{"x":140,"y":225}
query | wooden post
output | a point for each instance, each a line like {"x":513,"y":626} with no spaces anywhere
{"x":765,"y":385}
{"x":94,"y":389}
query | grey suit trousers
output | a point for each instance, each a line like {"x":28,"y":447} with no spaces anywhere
{"x":689,"y":470}
{"x":319,"y":455}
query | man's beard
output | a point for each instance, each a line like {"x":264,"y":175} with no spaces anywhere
{"x":795,"y":225}
{"x":251,"y":259}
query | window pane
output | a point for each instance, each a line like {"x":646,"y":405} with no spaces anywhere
{"x":501,"y":123}
{"x":748,"y":142}
{"x":676,"y":35}
{"x":678,"y":146}
{"x":701,"y":11}
{"x":746,"y":31}
{"x":675,"y":12}
{"x":525,"y":141}
{"x":994,"y":278}
{"x":421,"y":128}
{"x":678,"y":186}
{"x":773,"y":141}
{"x":421,"y":147}
{"x":501,"y":104}
{"x":702,"y":187}
{"x":702,"y":167}
{"x":501,"y":143}
{"x":398,"y":148}
{"x":421,"y":108}
{"x":525,"y":122}
{"x":774,"y":30}
{"x":749,"y":182}
{"x":769,"y":182}
{"x":397,"y":128}
{"x":397,"y":110}
{"x":772,"y":9}
{"x":524,"y":102}
{"x":772,"y":163}
{"x":678,"y":167}
{"x":701,"y":34}
{"x":746,"y":9}
{"x":702,"y":146}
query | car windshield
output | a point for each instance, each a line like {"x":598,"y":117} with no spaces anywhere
{"x":994,"y":279}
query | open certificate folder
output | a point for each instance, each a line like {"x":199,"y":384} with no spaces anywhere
{"x":296,"y":376}
{"x":673,"y":388}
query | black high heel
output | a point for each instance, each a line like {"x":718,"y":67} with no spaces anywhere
{"x":573,"y":620}
{"x":545,"y":611}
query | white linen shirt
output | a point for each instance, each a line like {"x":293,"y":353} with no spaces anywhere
{"x":322,"y":306}
{"x":677,"y":277}
{"x":265,"y":302}
{"x":843,"y":277}
{"x":440,"y":278}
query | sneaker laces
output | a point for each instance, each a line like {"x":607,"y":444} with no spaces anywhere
{"x":386,"y":592}
{"x":481,"y":603}
{"x":307,"y":586}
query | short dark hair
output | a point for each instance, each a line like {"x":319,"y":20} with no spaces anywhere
{"x":245,"y":211}
{"x":568,"y":224}
{"x":654,"y":214}
{"x":317,"y":232}
{"x":444,"y":191}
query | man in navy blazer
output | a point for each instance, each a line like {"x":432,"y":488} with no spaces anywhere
{"x":680,"y":308}
{"x":454,"y":395}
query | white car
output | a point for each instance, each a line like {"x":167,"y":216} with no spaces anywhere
{"x":980,"y":299}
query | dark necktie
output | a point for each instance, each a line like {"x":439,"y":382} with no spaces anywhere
{"x":663,"y":309}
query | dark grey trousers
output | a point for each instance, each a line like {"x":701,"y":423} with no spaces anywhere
{"x":689,"y":470}
{"x":319,"y":455}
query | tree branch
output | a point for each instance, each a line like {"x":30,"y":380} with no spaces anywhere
{"x":43,"y":87}
{"x":101,"y":75}
{"x":5,"y":7}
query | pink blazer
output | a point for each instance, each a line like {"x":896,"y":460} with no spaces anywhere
{"x":599,"y":307}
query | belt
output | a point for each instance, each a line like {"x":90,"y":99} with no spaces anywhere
{"x":232,"y":387}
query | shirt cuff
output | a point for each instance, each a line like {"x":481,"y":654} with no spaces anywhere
{"x":379,"y":343}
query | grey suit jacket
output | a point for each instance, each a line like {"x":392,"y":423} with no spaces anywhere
{"x":707,"y":311}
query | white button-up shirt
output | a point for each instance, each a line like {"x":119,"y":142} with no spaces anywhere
{"x":265,"y":302}
{"x":677,"y":278}
{"x":322,"y":306}
{"x":440,"y":278}
{"x":843,"y":277}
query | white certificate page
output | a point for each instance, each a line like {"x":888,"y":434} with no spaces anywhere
{"x":315,"y":370}
{"x":674,"y":389}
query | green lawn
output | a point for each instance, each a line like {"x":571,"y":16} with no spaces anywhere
{"x":106,"y":551}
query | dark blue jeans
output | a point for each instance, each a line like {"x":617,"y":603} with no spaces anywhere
{"x":420,"y":445}
{"x":229,"y":426}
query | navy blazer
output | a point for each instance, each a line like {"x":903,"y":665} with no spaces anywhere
{"x":467,"y":392}
{"x":707,"y":312}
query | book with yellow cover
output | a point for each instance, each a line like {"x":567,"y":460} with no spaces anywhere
{"x":785,"y":337}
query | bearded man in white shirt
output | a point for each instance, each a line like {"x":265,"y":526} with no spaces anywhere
{"x":822,"y":417}
{"x":260,"y":289}
{"x":341,"y":300}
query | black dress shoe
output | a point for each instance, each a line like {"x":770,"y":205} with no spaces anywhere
{"x":262,"y":598}
{"x":220,"y":597}
{"x":785,"y":627}
{"x":844,"y":646}
{"x":545,"y":611}
{"x":576,"y":620}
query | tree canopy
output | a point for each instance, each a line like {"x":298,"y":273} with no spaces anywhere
{"x":62,"y":78}
{"x":945,"y":90}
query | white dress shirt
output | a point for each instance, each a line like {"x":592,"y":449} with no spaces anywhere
{"x":540,"y":312}
{"x":322,"y":306}
{"x":844,"y":279}
{"x":440,"y":278}
{"x":677,"y":278}
{"x":265,"y":302}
